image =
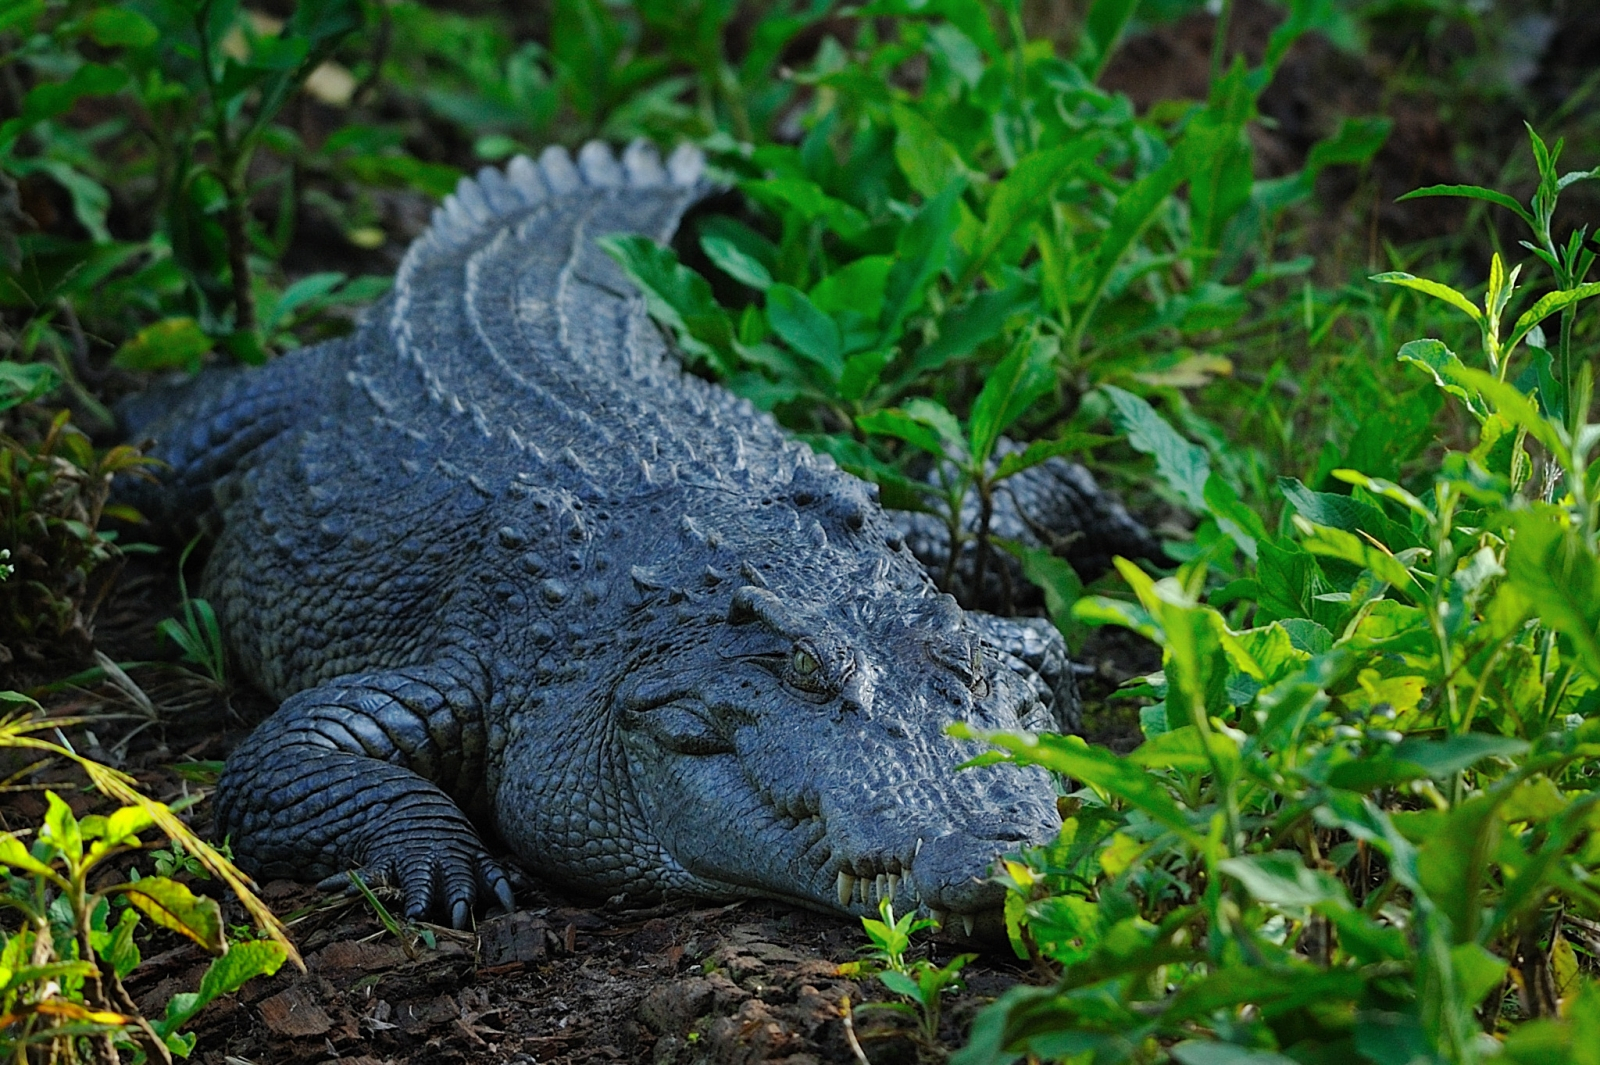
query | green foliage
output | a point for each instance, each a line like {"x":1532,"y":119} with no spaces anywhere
{"x":196,"y":633}
{"x":918,"y":980}
{"x":61,"y":970}
{"x":52,"y":496}
{"x":1361,"y":826}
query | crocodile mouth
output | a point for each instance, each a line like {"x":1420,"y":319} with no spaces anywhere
{"x":857,"y":883}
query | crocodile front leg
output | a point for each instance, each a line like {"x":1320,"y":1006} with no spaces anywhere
{"x":360,"y":773}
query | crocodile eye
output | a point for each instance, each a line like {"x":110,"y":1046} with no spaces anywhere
{"x":803,"y":662}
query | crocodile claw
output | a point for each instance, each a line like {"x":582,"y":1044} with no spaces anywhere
{"x":436,"y":879}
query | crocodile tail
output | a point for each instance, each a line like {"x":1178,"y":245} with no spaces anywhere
{"x":482,"y":203}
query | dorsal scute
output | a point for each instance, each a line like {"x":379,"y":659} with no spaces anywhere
{"x":484,"y":201}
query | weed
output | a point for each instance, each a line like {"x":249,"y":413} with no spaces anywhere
{"x":61,"y":971}
{"x":919,"y":980}
{"x":197,"y":634}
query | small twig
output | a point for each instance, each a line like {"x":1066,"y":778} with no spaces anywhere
{"x":850,"y":1031}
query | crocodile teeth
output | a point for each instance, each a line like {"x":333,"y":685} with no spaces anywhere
{"x":894,"y":885}
{"x":847,"y":887}
{"x":938,"y":917}
{"x":966,"y":923}
{"x":881,"y":885}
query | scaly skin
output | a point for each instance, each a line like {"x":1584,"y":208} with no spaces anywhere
{"x":512,"y":574}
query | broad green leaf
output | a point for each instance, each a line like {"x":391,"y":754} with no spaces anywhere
{"x":806,"y":198}
{"x":1443,"y":364}
{"x":121,"y":951}
{"x":1217,"y":161}
{"x":1453,"y":863}
{"x":23,"y":382}
{"x":1477,"y":973}
{"x":1352,"y":548}
{"x":1025,"y":375}
{"x":1182,"y":465}
{"x":1072,"y":757}
{"x":1021,"y":196}
{"x":1555,"y":572}
{"x":974,"y":322}
{"x":900,"y":425}
{"x":855,"y":288}
{"x":60,"y":828}
{"x":1519,"y":408}
{"x":1282,"y":879}
{"x":1194,"y":1052}
{"x":18,"y":857}
{"x":244,"y":961}
{"x":172,"y":905}
{"x":677,"y":297}
{"x":733,"y":261}
{"x":921,"y":251}
{"x":118,"y":27}
{"x":1136,"y":208}
{"x":1347,"y":513}
{"x":1431,"y":288}
{"x":1060,"y":583}
{"x":928,"y":161}
{"x":1441,"y":759}
{"x":1548,"y":304}
{"x":1233,"y":516}
{"x":806,"y":329}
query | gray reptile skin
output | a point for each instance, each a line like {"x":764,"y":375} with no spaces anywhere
{"x":507,"y":566}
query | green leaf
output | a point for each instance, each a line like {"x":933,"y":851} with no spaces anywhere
{"x":24,"y":382}
{"x":1553,"y":568}
{"x":1336,"y":543}
{"x":1441,"y":759}
{"x":1443,"y":365}
{"x":921,"y":250}
{"x":900,"y":984}
{"x":1024,"y":376}
{"x":118,"y":27}
{"x":1182,"y":465}
{"x":677,"y":297}
{"x":978,"y":320}
{"x":1040,"y":451}
{"x":51,"y":98}
{"x":806,"y":329}
{"x":17,"y":856}
{"x":806,"y":198}
{"x":1454,"y":863}
{"x":1060,"y":583}
{"x":1548,"y":304}
{"x":1282,"y":879}
{"x":61,"y":829}
{"x":1102,"y":29}
{"x":736,"y":263}
{"x":121,"y":951}
{"x":1073,"y":757}
{"x":1431,"y":288}
{"x":901,"y":426}
{"x":1519,"y":408}
{"x":172,"y":905}
{"x":1347,"y":513}
{"x":928,"y":161}
{"x":1021,"y":196}
{"x":1233,"y":516}
{"x":1473,"y":192}
{"x":170,"y":344}
{"x":244,"y":961}
{"x":1194,"y":1052}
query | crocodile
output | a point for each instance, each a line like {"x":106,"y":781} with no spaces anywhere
{"x":521,"y":584}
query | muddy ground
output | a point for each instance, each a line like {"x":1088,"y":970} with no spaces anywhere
{"x":564,"y":980}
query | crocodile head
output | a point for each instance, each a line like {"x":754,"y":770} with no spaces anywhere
{"x":800,"y":753}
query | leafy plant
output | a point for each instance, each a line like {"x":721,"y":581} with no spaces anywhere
{"x":53,"y":494}
{"x":919,"y":980}
{"x":197,"y":634}
{"x":61,"y":971}
{"x":1362,"y":825}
